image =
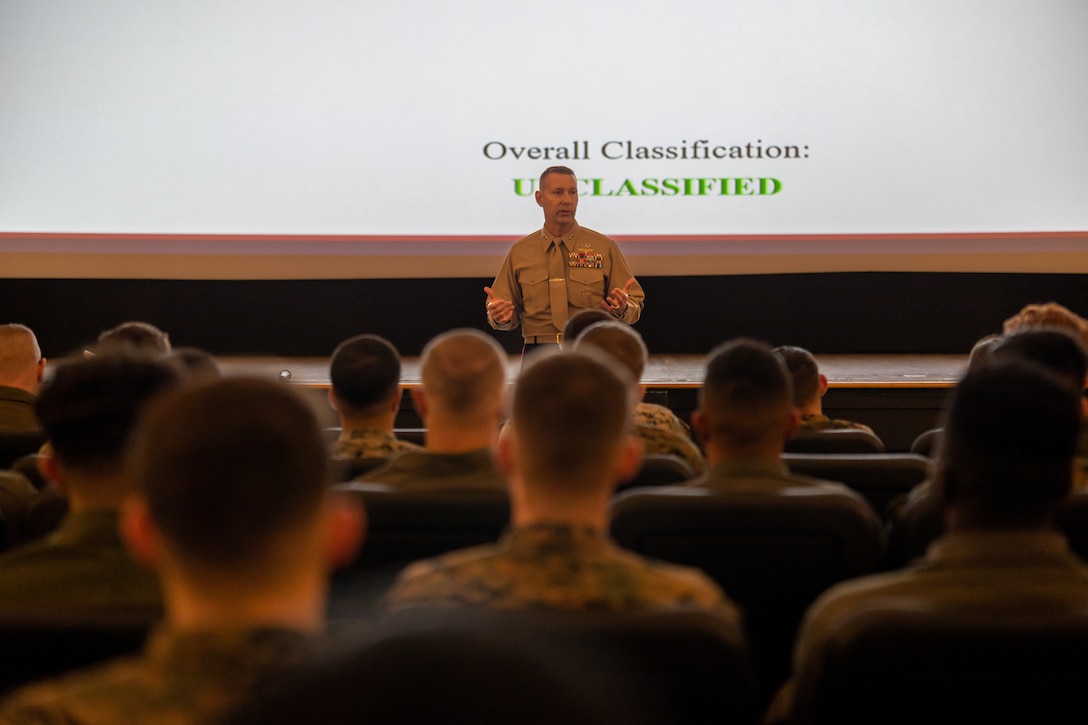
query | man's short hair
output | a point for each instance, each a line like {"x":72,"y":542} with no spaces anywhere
{"x":582,"y":320}
{"x":365,"y":372}
{"x":19,"y":351}
{"x":1010,"y":435}
{"x":229,"y":467}
{"x":618,"y":340}
{"x":1057,"y":349}
{"x":90,"y":407}
{"x":142,"y":337}
{"x":567,"y":410}
{"x":566,"y":171}
{"x":804,"y":373}
{"x":746,"y":391}
{"x":981,"y":350}
{"x":194,"y":364}
{"x":463,"y":371}
{"x":1049,"y":314}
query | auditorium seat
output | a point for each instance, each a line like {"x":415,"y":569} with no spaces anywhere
{"x":454,"y":664}
{"x":926,"y":443}
{"x":844,"y":440}
{"x":348,"y":469}
{"x":772,"y":552}
{"x":405,"y":526}
{"x":39,"y":648}
{"x":915,"y":528}
{"x":879,"y":477}
{"x":660,"y":470}
{"x":893,"y":664}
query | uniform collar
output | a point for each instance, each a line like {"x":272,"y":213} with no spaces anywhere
{"x":547,"y":238}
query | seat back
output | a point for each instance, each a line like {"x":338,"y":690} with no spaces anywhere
{"x":660,"y":470}
{"x":406,"y":526}
{"x":14,"y":444}
{"x":839,"y":440}
{"x":772,"y":552}
{"x":458,"y":664}
{"x":879,"y":477}
{"x":927,"y":443}
{"x":892,"y":664}
{"x":45,"y":647}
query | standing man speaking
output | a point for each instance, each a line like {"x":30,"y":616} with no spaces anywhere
{"x":560,"y":270}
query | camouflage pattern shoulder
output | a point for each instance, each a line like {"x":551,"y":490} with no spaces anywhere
{"x":813,"y":422}
{"x":651,"y":415}
{"x":553,"y":567}
{"x":658,"y":442}
{"x":370,"y":443}
{"x":182,"y":679}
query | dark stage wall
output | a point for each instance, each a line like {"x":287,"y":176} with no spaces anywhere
{"x":828,"y":313}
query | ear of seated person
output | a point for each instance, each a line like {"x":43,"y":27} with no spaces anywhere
{"x":566,"y":448}
{"x":809,"y":389}
{"x":460,"y":401}
{"x":1005,"y":467}
{"x":231,"y":507}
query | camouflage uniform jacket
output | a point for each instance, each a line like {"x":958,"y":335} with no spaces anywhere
{"x":369,"y":443}
{"x":426,"y":471}
{"x":557,"y":567}
{"x":812,"y":421}
{"x":182,"y":678}
{"x":652,"y":415}
{"x":656,"y":441}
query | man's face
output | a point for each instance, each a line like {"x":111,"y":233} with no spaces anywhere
{"x":558,"y":196}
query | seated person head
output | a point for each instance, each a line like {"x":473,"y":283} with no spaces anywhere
{"x":746,"y":402}
{"x":808,"y":384}
{"x":140,"y":337}
{"x":365,"y":376}
{"x":981,"y":350}
{"x":89,"y":410}
{"x":194,"y":364}
{"x":1009,"y":438}
{"x":570,"y":424}
{"x":580,"y":321}
{"x":464,"y":375}
{"x":1057,"y":349}
{"x":618,"y":340}
{"x":232,"y":488}
{"x":1050,"y":314}
{"x":21,"y":363}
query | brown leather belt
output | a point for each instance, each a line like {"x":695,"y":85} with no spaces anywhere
{"x":556,"y":339}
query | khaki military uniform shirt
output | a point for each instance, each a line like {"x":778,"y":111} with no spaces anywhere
{"x":369,"y":443}
{"x":557,"y":567}
{"x":17,"y":409}
{"x":595,"y":267}
{"x":183,"y":678}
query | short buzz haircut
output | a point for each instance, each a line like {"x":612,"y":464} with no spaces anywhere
{"x":746,"y":391}
{"x":229,"y":468}
{"x":564,"y":170}
{"x":463,"y":371}
{"x":1010,"y":435}
{"x":804,"y":372}
{"x":19,"y":350}
{"x":1048,"y":314}
{"x":619,"y":340}
{"x":365,"y":372}
{"x":568,"y":409}
{"x":142,"y":337}
{"x":1057,"y":349}
{"x":578,"y":323}
{"x":91,"y":406}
